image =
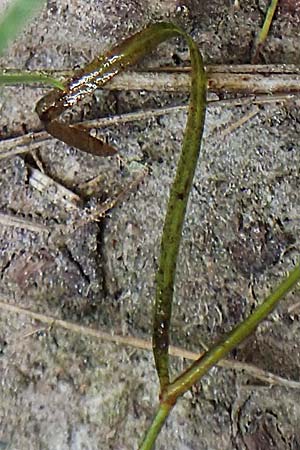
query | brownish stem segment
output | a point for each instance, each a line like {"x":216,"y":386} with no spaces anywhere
{"x":95,"y":75}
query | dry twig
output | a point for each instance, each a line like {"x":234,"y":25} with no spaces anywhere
{"x":8,"y":220}
{"x":22,"y":144}
{"x":266,"y":377}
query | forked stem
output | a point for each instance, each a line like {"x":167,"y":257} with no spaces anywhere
{"x":217,"y":352}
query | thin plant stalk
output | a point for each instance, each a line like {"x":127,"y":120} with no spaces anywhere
{"x":121,"y":56}
{"x":217,"y":352}
{"x":95,"y":75}
{"x":175,"y":214}
{"x":156,"y":425}
{"x":263,"y":34}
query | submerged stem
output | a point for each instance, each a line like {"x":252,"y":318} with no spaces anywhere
{"x":175,"y":214}
{"x":95,"y":75}
{"x":155,"y":427}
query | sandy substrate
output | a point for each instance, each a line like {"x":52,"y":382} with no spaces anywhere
{"x":64,"y":390}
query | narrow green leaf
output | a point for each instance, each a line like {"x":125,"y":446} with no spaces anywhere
{"x":15,"y":18}
{"x":267,"y":22}
{"x":176,"y":210}
{"x":28,"y":78}
{"x":263,"y":33}
{"x":95,"y":75}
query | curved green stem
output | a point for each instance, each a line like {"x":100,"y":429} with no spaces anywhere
{"x":85,"y":81}
{"x":175,"y":214}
